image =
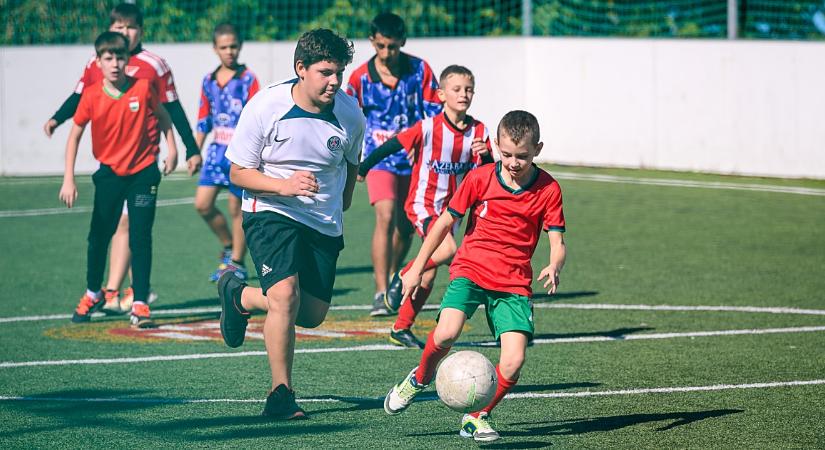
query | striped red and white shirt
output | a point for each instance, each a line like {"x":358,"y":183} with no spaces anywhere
{"x":441,"y":155}
{"x":143,"y":65}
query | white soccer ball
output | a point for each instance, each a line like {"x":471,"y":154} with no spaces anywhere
{"x":466,"y":381}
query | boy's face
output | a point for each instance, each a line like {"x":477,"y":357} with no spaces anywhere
{"x":457,"y":93}
{"x":517,"y":159}
{"x":321,"y":80}
{"x":130,"y":29}
{"x":227,"y":47}
{"x":387,"y":49}
{"x":113,"y":66}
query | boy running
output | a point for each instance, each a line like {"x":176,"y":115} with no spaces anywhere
{"x":126,"y":119}
{"x":510,"y":202}
{"x":224,"y":93}
{"x":442,"y":148}
{"x":295,"y":153}
{"x":395,"y":90}
{"x":127,"y":19}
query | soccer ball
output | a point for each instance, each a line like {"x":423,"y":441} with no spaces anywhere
{"x":466,"y":381}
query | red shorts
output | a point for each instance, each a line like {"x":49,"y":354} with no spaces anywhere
{"x":423,"y":224}
{"x":385,"y":185}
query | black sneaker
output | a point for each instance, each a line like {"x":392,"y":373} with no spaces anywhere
{"x":233,"y":320}
{"x":405,"y":338}
{"x":393,"y":297}
{"x":280,"y":405}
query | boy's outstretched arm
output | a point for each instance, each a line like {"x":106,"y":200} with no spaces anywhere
{"x":68,"y":191}
{"x":386,"y":149}
{"x":165,"y":127}
{"x":438,"y":231}
{"x":558,"y":254}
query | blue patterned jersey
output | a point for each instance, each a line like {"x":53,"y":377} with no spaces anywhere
{"x":392,"y":109}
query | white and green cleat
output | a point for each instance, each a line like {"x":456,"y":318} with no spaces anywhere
{"x":402,"y":394}
{"x":477,"y":428}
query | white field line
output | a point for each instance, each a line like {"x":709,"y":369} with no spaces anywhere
{"x":372,"y":348}
{"x":690,"y":183}
{"x":605,"y":306}
{"x":528,"y":395}
{"x":84,"y":179}
{"x":87,"y":209}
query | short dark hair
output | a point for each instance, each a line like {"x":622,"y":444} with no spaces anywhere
{"x":455,"y":69}
{"x":519,"y":126}
{"x":126,"y":11}
{"x":226,"y":28}
{"x":322,"y":44}
{"x":389,"y":25}
{"x":111,"y":42}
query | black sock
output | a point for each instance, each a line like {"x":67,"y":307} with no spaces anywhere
{"x":238,"y":263}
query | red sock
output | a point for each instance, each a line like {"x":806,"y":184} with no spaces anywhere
{"x":503,"y":387}
{"x":430,"y":264}
{"x":429,"y":360}
{"x":409,"y":310}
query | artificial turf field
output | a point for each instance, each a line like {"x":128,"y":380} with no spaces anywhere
{"x":690,"y":314}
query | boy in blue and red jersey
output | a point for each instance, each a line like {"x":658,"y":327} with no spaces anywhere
{"x":224,"y":93}
{"x":395,"y":91}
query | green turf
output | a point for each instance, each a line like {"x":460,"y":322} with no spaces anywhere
{"x":628,"y":244}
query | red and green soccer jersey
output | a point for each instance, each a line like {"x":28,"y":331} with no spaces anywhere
{"x":504,"y":227}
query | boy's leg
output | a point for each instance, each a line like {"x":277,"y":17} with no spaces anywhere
{"x":205,"y":205}
{"x":110,"y":191}
{"x":142,"y":202}
{"x":119,"y":254}
{"x":386,"y":239}
{"x":238,"y":238}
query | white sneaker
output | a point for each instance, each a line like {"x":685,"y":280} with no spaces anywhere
{"x":477,"y":428}
{"x":402,"y":394}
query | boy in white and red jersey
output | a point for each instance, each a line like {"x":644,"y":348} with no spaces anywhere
{"x":511,"y":203}
{"x":127,"y":19}
{"x":442,"y":149}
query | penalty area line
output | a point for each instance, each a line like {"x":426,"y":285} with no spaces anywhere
{"x":330,"y":399}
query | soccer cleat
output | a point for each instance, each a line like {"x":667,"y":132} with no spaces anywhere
{"x":112,"y":305}
{"x":393,"y":296}
{"x":402,"y":394}
{"x":280,"y":405}
{"x":225,"y":258}
{"x":129,"y":297}
{"x":233,"y":320}
{"x":477,"y":428}
{"x":378,"y":307}
{"x":405,"y":338}
{"x":141,"y":317}
{"x":236,"y":269}
{"x":86,"y":307}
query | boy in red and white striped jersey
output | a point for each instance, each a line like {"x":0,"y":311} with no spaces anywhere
{"x":443,"y":148}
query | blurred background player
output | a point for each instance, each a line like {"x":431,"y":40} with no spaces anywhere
{"x":442,"y":148}
{"x":395,"y":90}
{"x":127,"y":121}
{"x":510,"y":203}
{"x":127,"y":19}
{"x":224,"y":93}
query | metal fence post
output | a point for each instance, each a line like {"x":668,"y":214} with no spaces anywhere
{"x":526,"y":17}
{"x":733,"y":19}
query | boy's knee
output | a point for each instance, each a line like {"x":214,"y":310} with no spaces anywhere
{"x":445,"y":338}
{"x":205,"y":209}
{"x":283,"y":296}
{"x":510,"y":364}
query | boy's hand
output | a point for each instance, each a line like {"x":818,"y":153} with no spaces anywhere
{"x":360,"y":179}
{"x":479,"y":147}
{"x":410,"y":282}
{"x":49,"y":127}
{"x":301,"y":183}
{"x":68,"y":193}
{"x":193,"y":164}
{"x":170,"y":163}
{"x":552,"y":275}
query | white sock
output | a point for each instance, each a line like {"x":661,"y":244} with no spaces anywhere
{"x":93,"y":294}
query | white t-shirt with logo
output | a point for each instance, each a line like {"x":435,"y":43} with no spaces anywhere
{"x":278,"y":138}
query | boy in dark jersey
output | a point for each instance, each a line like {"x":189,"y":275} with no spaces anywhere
{"x":127,"y":121}
{"x":510,"y":203}
{"x":395,"y":90}
{"x":224,"y":93}
{"x":127,"y":19}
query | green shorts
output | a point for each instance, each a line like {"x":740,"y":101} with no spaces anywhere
{"x":505,"y":311}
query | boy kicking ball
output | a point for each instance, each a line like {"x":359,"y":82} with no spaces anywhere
{"x":509,"y":202}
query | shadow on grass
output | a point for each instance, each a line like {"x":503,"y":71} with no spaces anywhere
{"x":365,"y":404}
{"x":610,"y":423}
{"x":618,"y":333}
{"x":241,"y":427}
{"x":552,"y":387}
{"x":353,"y":269}
{"x":547,"y":298}
{"x":214,"y":302}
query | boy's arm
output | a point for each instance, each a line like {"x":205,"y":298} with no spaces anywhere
{"x":68,"y":191}
{"x":301,"y":183}
{"x":558,"y":254}
{"x":386,"y":149}
{"x":438,"y":231}
{"x":65,"y":111}
{"x":193,"y":154}
{"x":165,"y":127}
{"x":349,"y":187}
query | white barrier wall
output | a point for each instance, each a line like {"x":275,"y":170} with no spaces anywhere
{"x":743,"y":107}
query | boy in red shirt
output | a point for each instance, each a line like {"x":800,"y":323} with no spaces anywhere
{"x":127,"y":120}
{"x":509,"y":203}
{"x":441,"y":149}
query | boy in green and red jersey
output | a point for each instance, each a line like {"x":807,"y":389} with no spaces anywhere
{"x":510,"y":203}
{"x":127,"y":120}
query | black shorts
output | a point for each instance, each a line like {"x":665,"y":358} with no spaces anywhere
{"x":281,"y":247}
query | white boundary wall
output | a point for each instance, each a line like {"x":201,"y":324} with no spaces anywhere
{"x":740,"y":107}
